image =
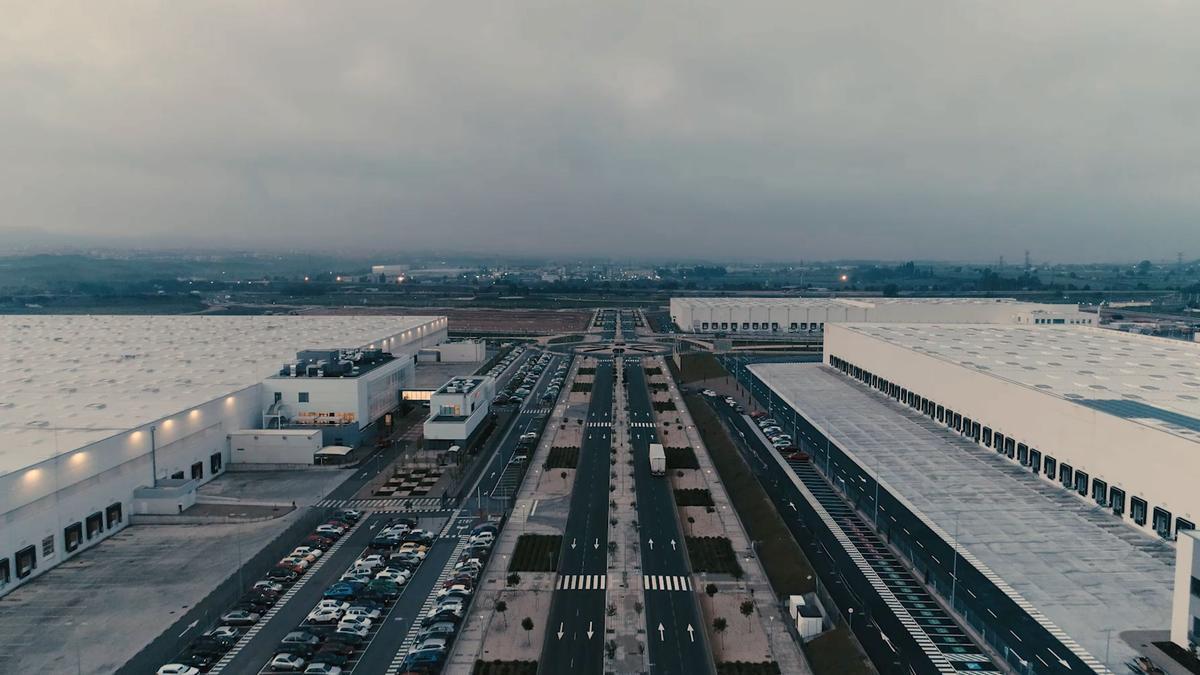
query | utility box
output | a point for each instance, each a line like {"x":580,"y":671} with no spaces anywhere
{"x":809,"y":618}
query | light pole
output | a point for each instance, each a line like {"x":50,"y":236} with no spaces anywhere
{"x":954,"y":564}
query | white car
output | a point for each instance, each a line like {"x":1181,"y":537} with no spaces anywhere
{"x":324,"y":616}
{"x":371,"y":613}
{"x":335,"y":605}
{"x":272,"y":586}
{"x":528,"y":436}
{"x":295,"y":561}
{"x":373,"y":561}
{"x":223,"y":633}
{"x":432,"y":643}
{"x":709,"y":392}
{"x":483,"y":538}
{"x":351,"y":629}
{"x":361,"y":577}
{"x":456,"y":589}
{"x":455,"y":605}
{"x":331,"y":529}
{"x":287,"y":662}
{"x":307,"y":551}
{"x":398,"y":576}
{"x":177,"y":669}
{"x":322,"y":669}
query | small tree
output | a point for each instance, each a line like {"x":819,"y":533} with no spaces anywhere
{"x":502,"y":607}
{"x":527,"y":624}
{"x":563,"y":475}
{"x":710,"y":590}
{"x":719,"y":625}
{"x":513,"y":579}
{"x":747,"y":608}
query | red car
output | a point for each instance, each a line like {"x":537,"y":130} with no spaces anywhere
{"x":798,"y":455}
{"x":758,"y":415}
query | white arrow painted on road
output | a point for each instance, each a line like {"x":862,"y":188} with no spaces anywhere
{"x":1059,"y":658}
{"x":792,"y":505}
{"x":590,"y":633}
{"x":596,"y":544}
{"x":673,"y":545}
{"x":572,"y":544}
{"x":560,"y":631}
{"x":189,"y":627}
{"x":651,"y":542}
{"x":661,"y":634}
{"x":691,"y":632}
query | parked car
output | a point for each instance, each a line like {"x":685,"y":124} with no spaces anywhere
{"x":441,"y":628}
{"x":372,"y":613}
{"x":287,"y":663}
{"x":281,"y":575}
{"x":352,"y":629}
{"x":323,"y":616}
{"x":268,"y":585}
{"x":333,"y":531}
{"x":177,"y":669}
{"x":240,"y":617}
{"x":302,"y":637}
{"x":323,"y":669}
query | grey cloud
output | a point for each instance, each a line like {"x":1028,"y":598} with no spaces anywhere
{"x":764,"y":130}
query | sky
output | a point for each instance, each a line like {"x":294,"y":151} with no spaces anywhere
{"x":959,"y":130}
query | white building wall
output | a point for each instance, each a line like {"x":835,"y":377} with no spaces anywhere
{"x":1141,"y":460}
{"x":1185,"y":606}
{"x":690,"y":314}
{"x":274,"y":446}
{"x":41,"y":500}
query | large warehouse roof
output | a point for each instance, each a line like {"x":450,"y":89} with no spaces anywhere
{"x":73,"y":380}
{"x":1149,"y":380}
{"x":1083,"y":571}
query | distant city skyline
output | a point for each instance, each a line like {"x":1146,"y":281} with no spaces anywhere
{"x":740,"y":132}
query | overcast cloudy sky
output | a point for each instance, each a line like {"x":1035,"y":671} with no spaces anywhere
{"x":960,"y":129}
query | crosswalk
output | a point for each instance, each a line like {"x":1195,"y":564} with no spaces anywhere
{"x":398,"y":504}
{"x":659,"y":582}
{"x":582,"y":582}
{"x":647,"y":425}
{"x":537,"y":411}
{"x":410,"y":639}
{"x":604,"y":425}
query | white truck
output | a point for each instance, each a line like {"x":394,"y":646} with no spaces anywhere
{"x":658,"y":460}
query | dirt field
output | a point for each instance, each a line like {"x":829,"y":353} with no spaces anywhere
{"x":508,"y":321}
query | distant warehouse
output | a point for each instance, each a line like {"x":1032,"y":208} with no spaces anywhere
{"x":809,"y":315}
{"x":100,"y":416}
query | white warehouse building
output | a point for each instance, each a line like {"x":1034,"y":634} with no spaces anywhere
{"x":92,"y":408}
{"x":809,"y":315}
{"x":1111,"y":416}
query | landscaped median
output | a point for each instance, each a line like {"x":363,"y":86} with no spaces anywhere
{"x":788,"y":569}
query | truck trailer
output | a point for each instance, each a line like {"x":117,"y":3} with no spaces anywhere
{"x":658,"y":460}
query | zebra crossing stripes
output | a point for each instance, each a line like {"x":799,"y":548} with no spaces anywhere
{"x":642,"y":424}
{"x":605,"y":425}
{"x":660,"y":582}
{"x":537,"y":411}
{"x":582,"y":582}
{"x":410,"y":639}
{"x":399,"y":503}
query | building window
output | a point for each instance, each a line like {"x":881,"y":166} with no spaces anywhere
{"x":803,"y":326}
{"x":1162,"y":522}
{"x":745,"y":325}
{"x":95,"y":525}
{"x":987,"y":436}
{"x":1116,"y":499}
{"x":72,"y":537}
{"x":1137,"y":510}
{"x":278,"y":396}
{"x":1100,"y":492}
{"x":1066,"y":475}
{"x":112,"y":515}
{"x":1035,"y":460}
{"x":5,"y":572}
{"x":1051,"y":468}
{"x":198,"y":471}
{"x":48,"y":546}
{"x":1081,"y":483}
{"x":214,"y":463}
{"x":26,"y":561}
{"x":302,"y":397}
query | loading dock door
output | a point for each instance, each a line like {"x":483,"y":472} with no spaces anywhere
{"x":1035,"y":460}
{"x":1162,"y":522}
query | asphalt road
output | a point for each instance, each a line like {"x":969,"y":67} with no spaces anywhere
{"x":575,"y":629}
{"x":675,"y":631}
